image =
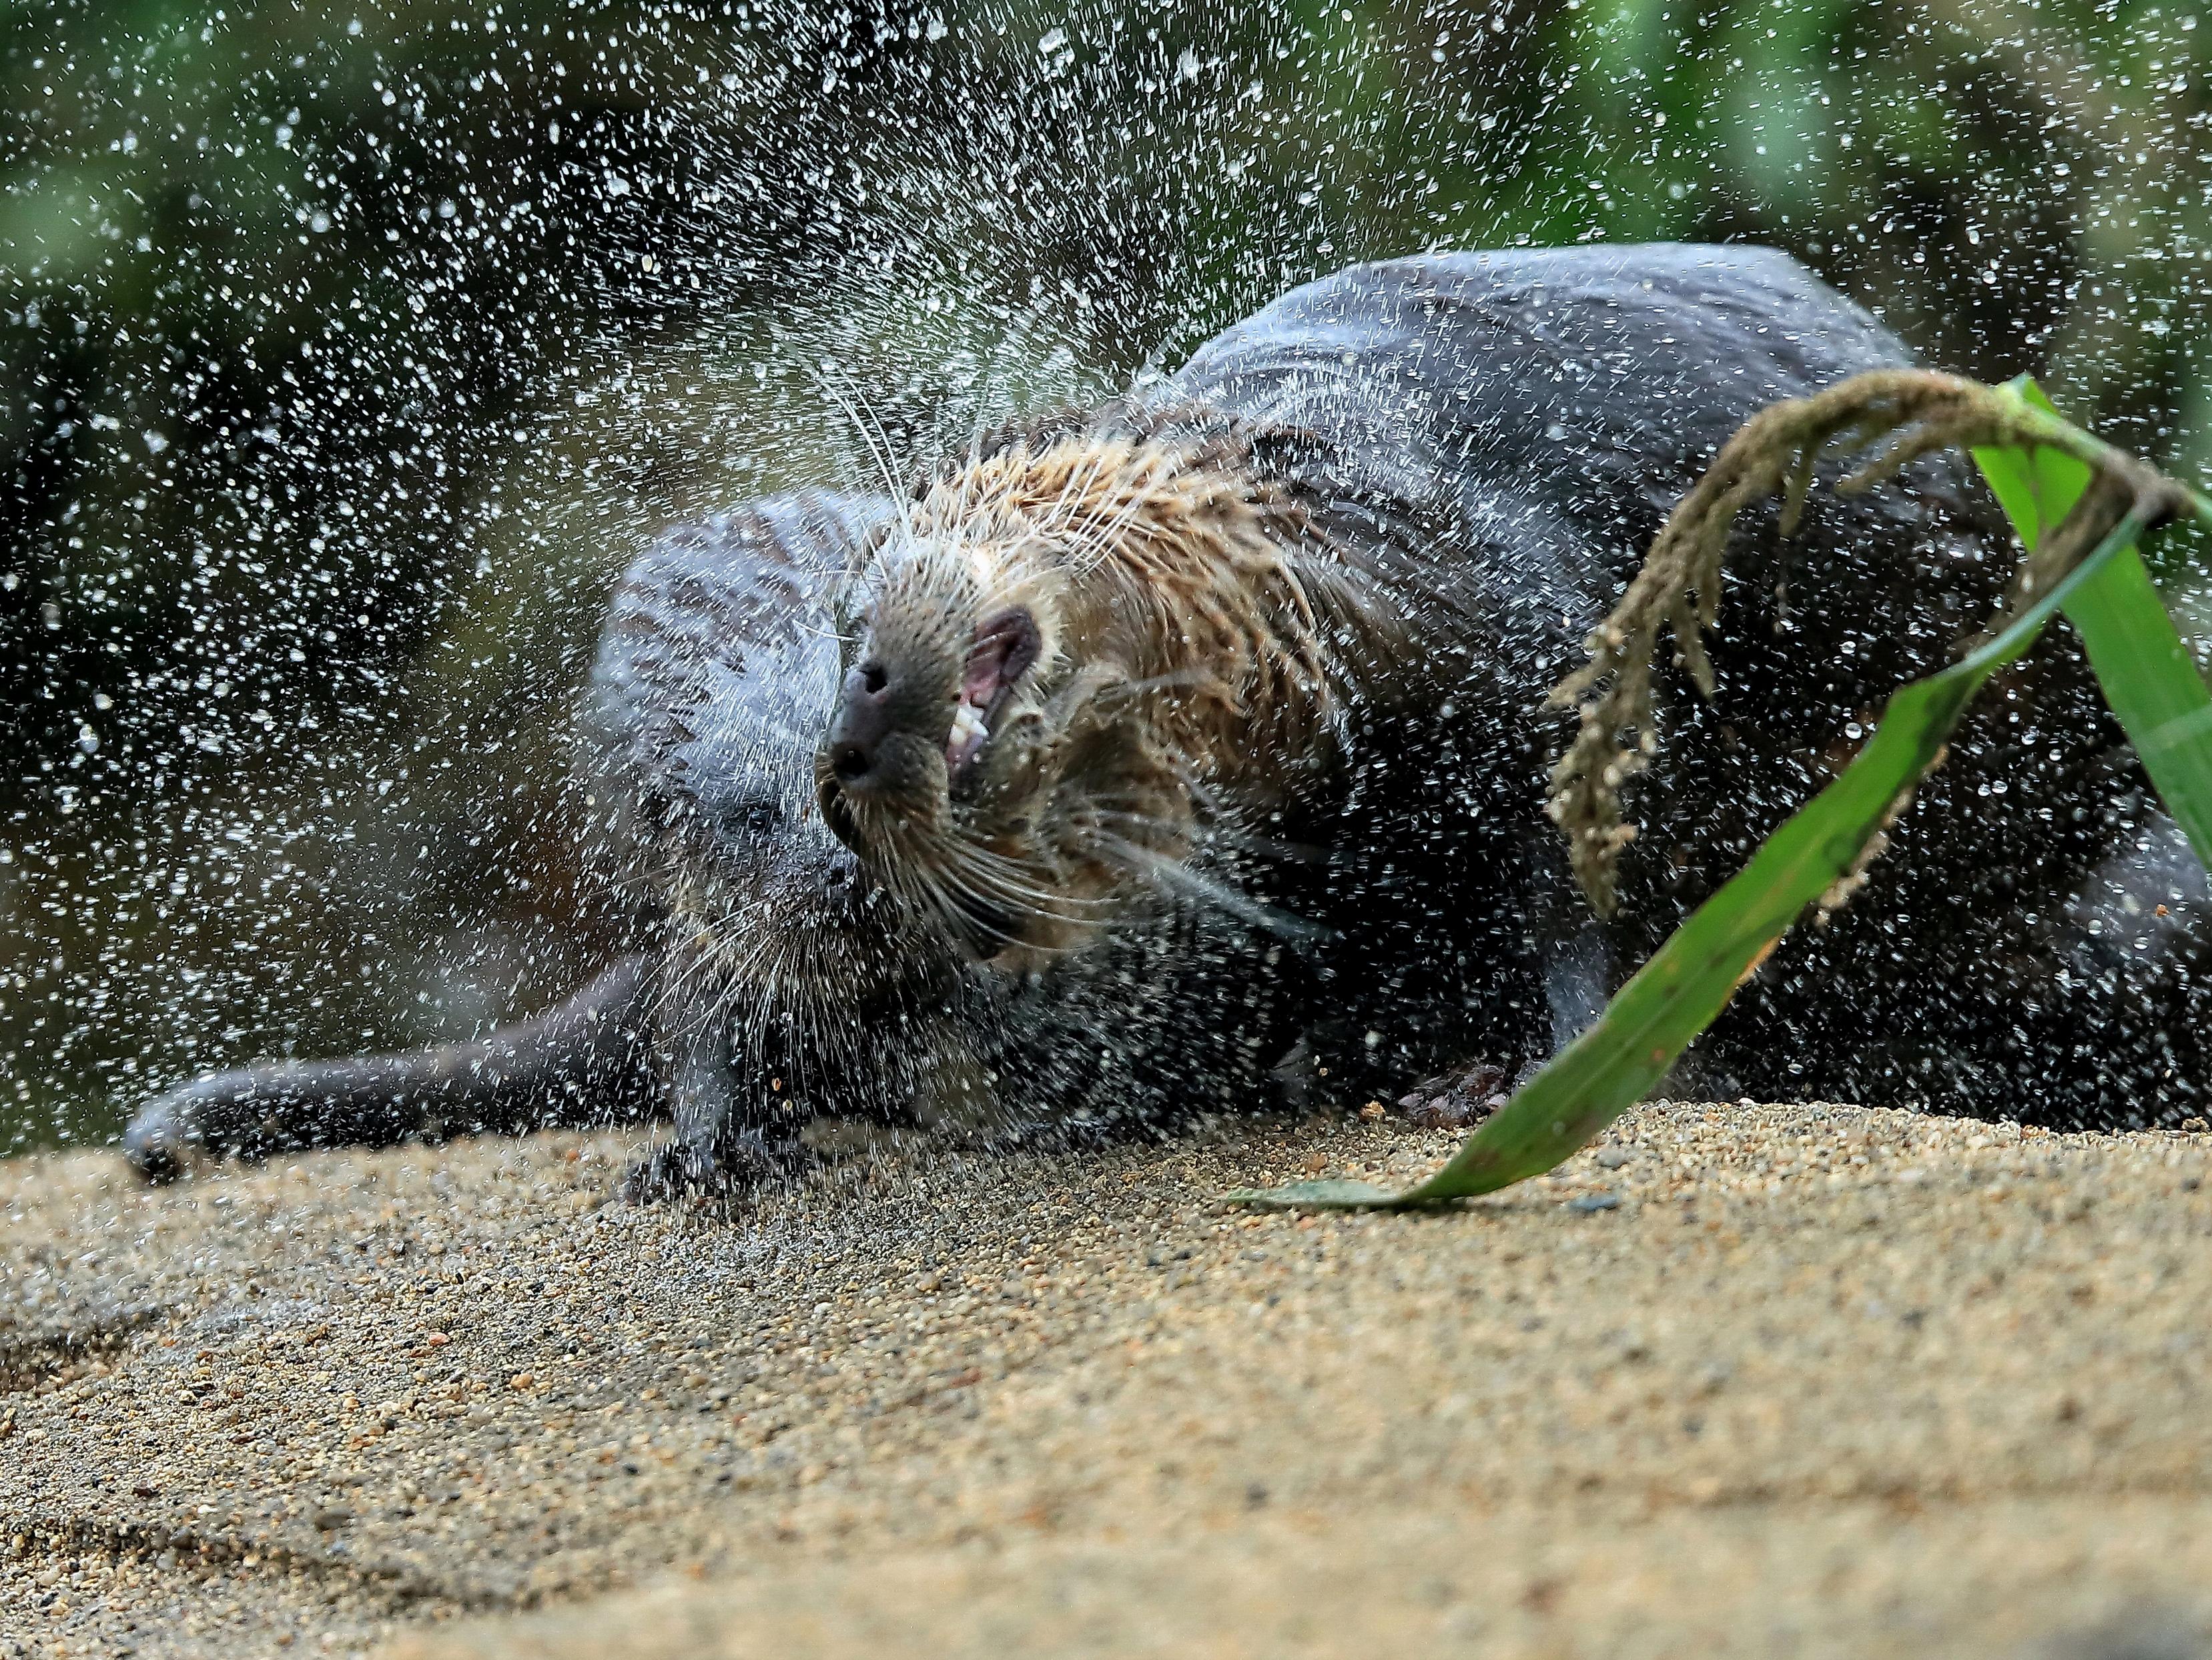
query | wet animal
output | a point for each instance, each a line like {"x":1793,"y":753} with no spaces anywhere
{"x":1189,"y":755}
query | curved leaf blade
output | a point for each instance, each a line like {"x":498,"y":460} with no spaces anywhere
{"x":2151,"y":681}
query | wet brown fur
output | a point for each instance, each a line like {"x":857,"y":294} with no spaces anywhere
{"x":1182,"y":654}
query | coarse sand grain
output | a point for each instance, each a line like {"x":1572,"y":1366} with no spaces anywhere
{"x":1824,"y":1381}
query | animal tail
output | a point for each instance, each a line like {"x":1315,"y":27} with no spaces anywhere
{"x":586,"y":1063}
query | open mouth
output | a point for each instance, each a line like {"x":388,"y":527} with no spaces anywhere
{"x":1004,"y":648}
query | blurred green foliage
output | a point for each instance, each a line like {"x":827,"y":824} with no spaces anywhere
{"x":348,"y":350}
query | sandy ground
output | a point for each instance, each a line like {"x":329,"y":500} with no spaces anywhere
{"x":1741,"y":1381}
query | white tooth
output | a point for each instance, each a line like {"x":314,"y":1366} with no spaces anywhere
{"x":968,"y":735}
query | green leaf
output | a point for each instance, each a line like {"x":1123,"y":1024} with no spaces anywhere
{"x":1676,"y":994}
{"x":2036,"y":488}
{"x":2148,"y":677}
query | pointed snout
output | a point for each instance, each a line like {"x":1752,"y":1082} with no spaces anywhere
{"x":861,"y":731}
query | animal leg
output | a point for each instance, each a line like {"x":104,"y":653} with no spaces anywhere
{"x":722,"y":1148}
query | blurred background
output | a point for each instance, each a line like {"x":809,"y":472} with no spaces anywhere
{"x":348,"y":352}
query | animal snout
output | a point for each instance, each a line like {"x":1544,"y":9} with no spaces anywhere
{"x":862,"y":726}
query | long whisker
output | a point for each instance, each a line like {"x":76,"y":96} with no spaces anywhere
{"x":879,"y":451}
{"x":1174,"y":874}
{"x":1178,"y":680}
{"x":979,"y":881}
{"x":1012,"y":873}
{"x":1128,"y":808}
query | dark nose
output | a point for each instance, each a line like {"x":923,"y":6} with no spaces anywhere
{"x":862,"y":723}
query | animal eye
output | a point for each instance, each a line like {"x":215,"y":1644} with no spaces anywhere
{"x":757,"y":818}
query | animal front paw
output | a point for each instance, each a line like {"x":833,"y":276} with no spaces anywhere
{"x":1458,"y":1102}
{"x":163,"y":1141}
{"x":714,"y":1172}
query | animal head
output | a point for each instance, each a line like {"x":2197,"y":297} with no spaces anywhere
{"x":1064,"y":655}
